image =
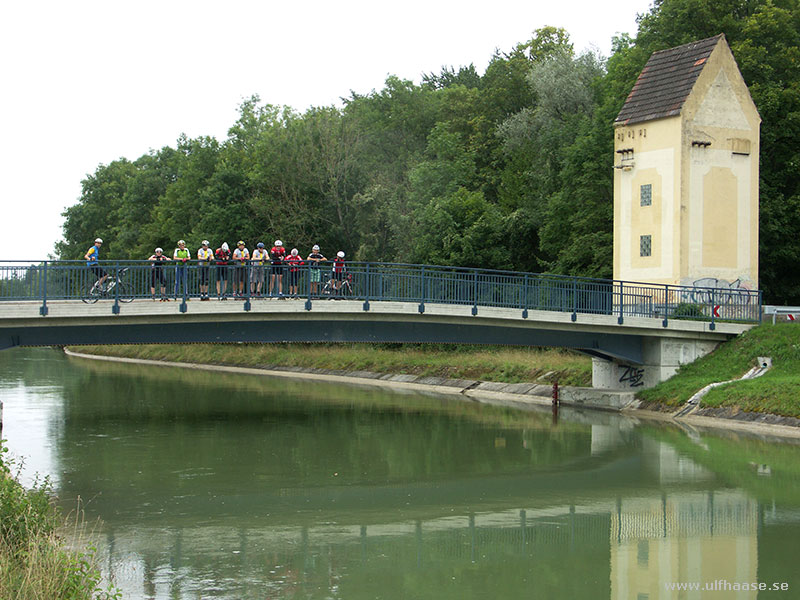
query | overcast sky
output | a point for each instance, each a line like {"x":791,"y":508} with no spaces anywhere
{"x":87,"y":82}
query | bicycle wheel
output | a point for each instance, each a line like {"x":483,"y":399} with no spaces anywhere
{"x":93,"y":294}
{"x":124,"y":292}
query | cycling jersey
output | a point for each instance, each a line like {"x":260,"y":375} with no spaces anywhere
{"x":260,"y":256}
{"x":180,"y":254}
{"x":294,"y":262}
{"x":204,"y":255}
{"x":94,"y":255}
{"x":222,"y":256}
{"x":277,"y":253}
{"x":241,"y":255}
{"x":314,"y":258}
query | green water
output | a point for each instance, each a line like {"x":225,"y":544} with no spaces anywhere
{"x":212,"y":485}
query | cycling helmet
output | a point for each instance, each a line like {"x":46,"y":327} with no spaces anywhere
{"x":260,"y":245}
{"x":315,"y":248}
{"x":205,"y":242}
{"x":98,"y":240}
{"x":181,"y":242}
{"x":278,"y":243}
{"x":225,"y":246}
{"x":340,"y":254}
{"x":240,"y":243}
{"x":159,"y":250}
{"x":294,"y":251}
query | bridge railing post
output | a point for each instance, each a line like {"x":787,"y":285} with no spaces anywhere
{"x":664,"y":323}
{"x":621,"y":318}
{"x":713,"y":325}
{"x":43,"y":273}
{"x":308,"y":285}
{"x":115,"y":308}
{"x":760,"y":307}
{"x":247,"y":270}
{"x":422,"y":292}
{"x":525,"y":296}
{"x":574,"y":299}
{"x":366,"y":287}
{"x":474,"y":292}
{"x":180,"y":276}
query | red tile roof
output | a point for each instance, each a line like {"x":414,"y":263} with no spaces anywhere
{"x":666,"y":81}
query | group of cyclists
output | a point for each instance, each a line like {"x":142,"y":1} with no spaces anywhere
{"x":248,"y":272}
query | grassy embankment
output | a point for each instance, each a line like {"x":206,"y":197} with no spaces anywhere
{"x":777,"y":392}
{"x":34,"y":560}
{"x":486,"y":363}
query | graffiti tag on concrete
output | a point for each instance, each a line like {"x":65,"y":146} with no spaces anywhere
{"x":633,"y":376}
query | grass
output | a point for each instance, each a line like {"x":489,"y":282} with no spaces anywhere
{"x":487,"y":363}
{"x":777,"y":392}
{"x":34,"y":559}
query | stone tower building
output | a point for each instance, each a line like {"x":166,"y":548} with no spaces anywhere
{"x":686,"y":172}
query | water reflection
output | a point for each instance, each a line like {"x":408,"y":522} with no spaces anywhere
{"x":219,"y":486}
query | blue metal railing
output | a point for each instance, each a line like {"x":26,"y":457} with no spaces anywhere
{"x":50,"y":281}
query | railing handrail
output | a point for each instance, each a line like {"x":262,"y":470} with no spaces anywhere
{"x":231,"y":262}
{"x":401,"y":282}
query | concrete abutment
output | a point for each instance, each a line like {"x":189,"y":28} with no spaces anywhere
{"x":661,"y":358}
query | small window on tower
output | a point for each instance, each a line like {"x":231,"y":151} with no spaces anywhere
{"x":645,"y":245}
{"x":646,"y":194}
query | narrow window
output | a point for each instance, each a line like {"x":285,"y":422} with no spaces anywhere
{"x":646,"y":194}
{"x":645,"y":245}
{"x":643,"y":553}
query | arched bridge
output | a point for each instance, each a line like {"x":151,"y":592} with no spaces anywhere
{"x":644,"y":330}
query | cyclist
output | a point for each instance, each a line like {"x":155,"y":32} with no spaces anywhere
{"x":241,"y":256}
{"x":157,"y":274}
{"x":276,"y":254}
{"x":204,"y":256}
{"x":338,"y":272}
{"x":223,"y":256}
{"x":92,"y":258}
{"x":259,"y":259}
{"x":313,"y":267}
{"x":181,"y":256}
{"x":294,"y":262}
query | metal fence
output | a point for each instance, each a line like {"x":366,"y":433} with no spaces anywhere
{"x":421,"y":284}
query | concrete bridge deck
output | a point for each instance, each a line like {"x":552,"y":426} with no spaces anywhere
{"x":648,"y":346}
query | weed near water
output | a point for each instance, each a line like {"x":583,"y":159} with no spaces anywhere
{"x":458,"y":361}
{"x":34,"y":559}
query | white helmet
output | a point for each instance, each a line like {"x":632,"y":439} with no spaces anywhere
{"x":159,"y":250}
{"x":225,"y":246}
{"x":278,"y":243}
{"x":205,"y":242}
{"x":315,"y":247}
{"x":340,"y":254}
{"x":294,"y":251}
{"x":181,"y":242}
{"x":98,"y":240}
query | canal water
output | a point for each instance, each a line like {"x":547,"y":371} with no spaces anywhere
{"x":210,"y":485}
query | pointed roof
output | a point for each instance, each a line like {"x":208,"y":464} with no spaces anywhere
{"x":666,"y":81}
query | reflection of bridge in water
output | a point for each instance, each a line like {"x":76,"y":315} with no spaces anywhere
{"x":625,"y":543}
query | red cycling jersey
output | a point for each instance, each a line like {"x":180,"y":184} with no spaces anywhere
{"x":294,"y":263}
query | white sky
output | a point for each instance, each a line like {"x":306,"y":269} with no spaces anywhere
{"x":86,"y":82}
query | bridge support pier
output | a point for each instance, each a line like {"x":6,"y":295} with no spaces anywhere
{"x":661,"y":359}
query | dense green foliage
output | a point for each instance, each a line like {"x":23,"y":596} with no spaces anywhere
{"x":506,"y":169}
{"x":775,"y":392}
{"x":34,"y":560}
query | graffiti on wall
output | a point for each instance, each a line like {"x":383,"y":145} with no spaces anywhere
{"x":720,"y":291}
{"x":632,"y":376}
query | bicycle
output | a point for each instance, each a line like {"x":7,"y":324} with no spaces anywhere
{"x":97,"y":291}
{"x":345,"y":288}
